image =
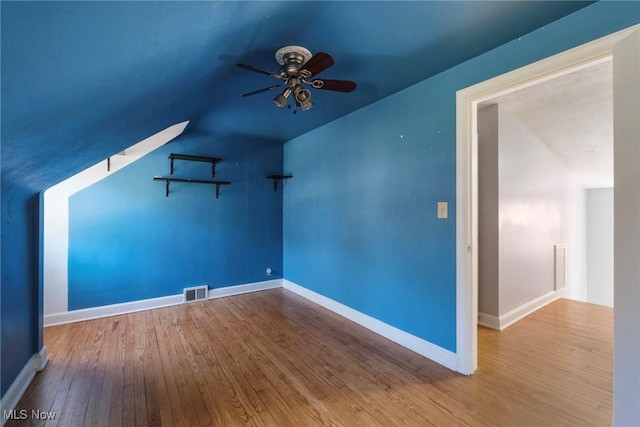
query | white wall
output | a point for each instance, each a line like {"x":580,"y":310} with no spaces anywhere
{"x":528,"y":203}
{"x":531,"y":214}
{"x":600,"y":246}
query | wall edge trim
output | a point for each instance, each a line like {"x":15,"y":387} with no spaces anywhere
{"x":424,"y":348}
{"x":152,"y":303}
{"x":12,"y":397}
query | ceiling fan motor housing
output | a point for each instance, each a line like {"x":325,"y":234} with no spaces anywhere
{"x":291,"y":58}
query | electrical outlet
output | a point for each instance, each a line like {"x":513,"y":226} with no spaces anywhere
{"x":443,"y":210}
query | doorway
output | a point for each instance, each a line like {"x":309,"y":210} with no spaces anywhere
{"x":545,"y":194}
{"x":624,"y":46}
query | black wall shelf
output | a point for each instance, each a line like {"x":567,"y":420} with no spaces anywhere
{"x":191,"y":181}
{"x":277,"y":178}
{"x":212,"y":160}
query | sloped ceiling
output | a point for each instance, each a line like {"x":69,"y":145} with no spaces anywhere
{"x":84,"y":80}
{"x":572,"y":115}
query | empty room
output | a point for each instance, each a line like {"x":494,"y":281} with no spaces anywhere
{"x":266,"y":213}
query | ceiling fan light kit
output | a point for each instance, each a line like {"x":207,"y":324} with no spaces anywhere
{"x":297,"y":65}
{"x":303,"y":98}
{"x":281,"y":100}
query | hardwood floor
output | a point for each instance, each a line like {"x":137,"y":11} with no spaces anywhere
{"x":272,"y":358}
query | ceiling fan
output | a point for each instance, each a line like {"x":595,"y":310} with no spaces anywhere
{"x":297,"y":67}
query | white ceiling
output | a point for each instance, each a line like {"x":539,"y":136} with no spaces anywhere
{"x":573,"y":116}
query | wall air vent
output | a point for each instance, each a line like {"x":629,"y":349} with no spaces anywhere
{"x":560,"y":266}
{"x":195,"y":294}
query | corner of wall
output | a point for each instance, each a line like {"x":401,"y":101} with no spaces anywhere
{"x":503,"y":322}
{"x":424,"y":348}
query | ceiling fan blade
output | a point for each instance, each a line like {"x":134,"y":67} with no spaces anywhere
{"x":262,"y":90}
{"x":318,"y":63}
{"x":335,"y":85}
{"x":258,"y":70}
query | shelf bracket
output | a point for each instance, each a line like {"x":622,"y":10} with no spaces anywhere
{"x":277,"y":178}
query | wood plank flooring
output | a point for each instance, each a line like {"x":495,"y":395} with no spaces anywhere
{"x":272,"y":358}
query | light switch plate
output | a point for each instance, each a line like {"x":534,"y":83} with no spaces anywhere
{"x":443,"y":210}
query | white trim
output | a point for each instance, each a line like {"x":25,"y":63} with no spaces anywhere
{"x":488,"y":321}
{"x":40,"y":359}
{"x":110,"y":310}
{"x":418,"y":345}
{"x":467,"y":179}
{"x":526,"y":309}
{"x":148,"y":304}
{"x":10,"y":400}
{"x":243,"y":289}
{"x":557,"y":278}
{"x":503,"y":322}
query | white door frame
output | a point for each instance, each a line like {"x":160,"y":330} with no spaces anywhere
{"x":467,"y":101}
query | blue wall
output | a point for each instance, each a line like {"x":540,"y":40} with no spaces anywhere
{"x":128,"y":241}
{"x":19,"y":304}
{"x":360,"y":221}
{"x":360,"y":218}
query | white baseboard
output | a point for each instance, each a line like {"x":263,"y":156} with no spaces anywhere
{"x":488,"y":321}
{"x":40,"y":359}
{"x":503,"y":322}
{"x":418,"y":345}
{"x":243,"y":289}
{"x":110,"y":310}
{"x":148,"y":304}
{"x":10,"y":400}
{"x":526,"y":309}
